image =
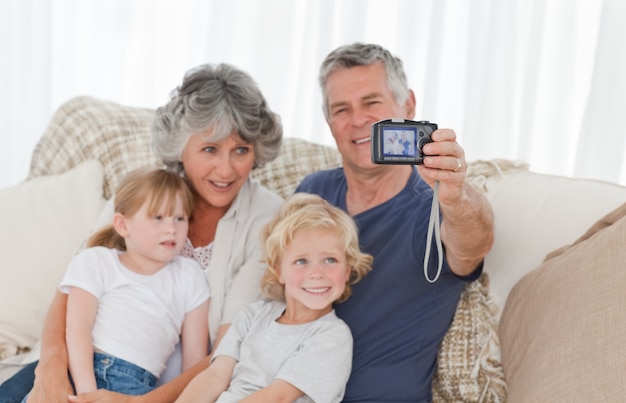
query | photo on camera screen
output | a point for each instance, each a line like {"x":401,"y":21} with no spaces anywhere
{"x":399,"y":141}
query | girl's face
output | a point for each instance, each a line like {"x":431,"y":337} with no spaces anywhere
{"x":152,"y":240}
{"x":314,"y":272}
{"x":217,"y":170}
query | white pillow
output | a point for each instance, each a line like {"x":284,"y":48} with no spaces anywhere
{"x":537,"y":213}
{"x":44,"y":221}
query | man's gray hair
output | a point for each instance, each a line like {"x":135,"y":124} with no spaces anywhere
{"x":363,"y":54}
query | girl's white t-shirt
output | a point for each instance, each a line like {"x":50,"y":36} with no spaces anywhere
{"x":139,"y":317}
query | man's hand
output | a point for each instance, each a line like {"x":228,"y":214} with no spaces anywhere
{"x":444,"y":162}
{"x":467,"y":226}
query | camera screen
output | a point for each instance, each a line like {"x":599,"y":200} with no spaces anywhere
{"x":399,"y":141}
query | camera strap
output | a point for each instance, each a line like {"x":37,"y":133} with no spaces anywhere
{"x":433,"y":224}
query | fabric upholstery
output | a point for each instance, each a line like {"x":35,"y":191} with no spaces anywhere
{"x":469,"y":368}
{"x":562,"y":329}
{"x":87,"y":128}
{"x":45,"y":222}
{"x":537,"y":213}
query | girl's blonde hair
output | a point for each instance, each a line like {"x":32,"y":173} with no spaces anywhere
{"x":144,"y":185}
{"x":304,"y":211}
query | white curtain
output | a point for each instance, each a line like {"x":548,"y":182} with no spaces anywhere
{"x":542,"y":81}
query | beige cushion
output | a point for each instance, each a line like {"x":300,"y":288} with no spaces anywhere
{"x":537,"y":213}
{"x":563,"y":328}
{"x":44,"y":221}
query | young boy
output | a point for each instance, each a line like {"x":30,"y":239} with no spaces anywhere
{"x":292,"y":347}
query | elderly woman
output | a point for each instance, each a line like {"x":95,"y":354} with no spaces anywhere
{"x":215,"y":129}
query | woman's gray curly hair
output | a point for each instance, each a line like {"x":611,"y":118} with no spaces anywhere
{"x":220,"y":98}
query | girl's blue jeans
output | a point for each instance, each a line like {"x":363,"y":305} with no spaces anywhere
{"x":119,"y":376}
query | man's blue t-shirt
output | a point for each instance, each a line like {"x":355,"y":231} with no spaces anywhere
{"x":396,"y":316}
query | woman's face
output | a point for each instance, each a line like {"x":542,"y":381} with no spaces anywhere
{"x":217,"y":170}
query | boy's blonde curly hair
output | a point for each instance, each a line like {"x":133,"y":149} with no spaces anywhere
{"x":304,"y":211}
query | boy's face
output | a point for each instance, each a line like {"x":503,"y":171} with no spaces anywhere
{"x":314,"y":272}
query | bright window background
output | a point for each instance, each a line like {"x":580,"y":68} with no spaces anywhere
{"x":533,"y":80}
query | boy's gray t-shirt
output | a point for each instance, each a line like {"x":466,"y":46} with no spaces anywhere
{"x":315,"y":357}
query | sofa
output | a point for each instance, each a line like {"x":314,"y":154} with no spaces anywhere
{"x":545,"y":322}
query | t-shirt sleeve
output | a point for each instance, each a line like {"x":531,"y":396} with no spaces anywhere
{"x":231,"y":342}
{"x":87,"y":270}
{"x":322,"y":365}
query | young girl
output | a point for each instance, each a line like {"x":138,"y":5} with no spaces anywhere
{"x":131,"y":297}
{"x":292,"y":347}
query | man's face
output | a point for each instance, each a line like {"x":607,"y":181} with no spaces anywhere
{"x":357,"y":98}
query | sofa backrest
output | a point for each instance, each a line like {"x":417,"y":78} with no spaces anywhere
{"x":118,"y":136}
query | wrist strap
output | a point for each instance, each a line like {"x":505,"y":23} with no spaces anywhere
{"x":433,"y":224}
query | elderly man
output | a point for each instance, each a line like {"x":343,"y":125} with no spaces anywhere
{"x":398,"y":318}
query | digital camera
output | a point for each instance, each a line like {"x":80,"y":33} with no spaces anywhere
{"x":400,"y":141}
